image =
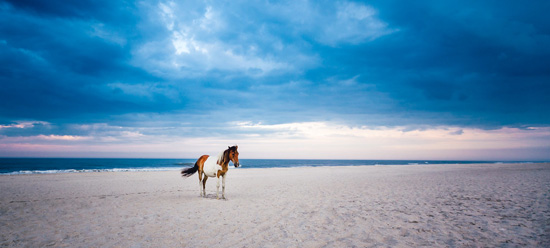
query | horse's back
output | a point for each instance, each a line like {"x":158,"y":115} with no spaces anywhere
{"x":201,"y":160}
{"x":211,"y":167}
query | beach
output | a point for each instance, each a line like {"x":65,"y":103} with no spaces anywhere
{"x":466,"y":205}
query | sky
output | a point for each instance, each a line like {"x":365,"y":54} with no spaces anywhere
{"x":427,"y":79}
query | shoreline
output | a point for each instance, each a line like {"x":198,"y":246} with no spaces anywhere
{"x":398,"y":206}
{"x":157,"y":169}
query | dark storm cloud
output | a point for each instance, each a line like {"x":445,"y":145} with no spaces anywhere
{"x":467,"y":63}
{"x":62,"y":8}
{"x":59,"y":59}
{"x":480,"y":63}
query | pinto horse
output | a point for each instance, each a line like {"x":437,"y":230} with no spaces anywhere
{"x":214,"y":167}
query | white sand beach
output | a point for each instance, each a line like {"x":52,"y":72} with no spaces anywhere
{"x":478,"y":205}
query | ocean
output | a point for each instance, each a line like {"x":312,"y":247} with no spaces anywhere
{"x":13,"y":166}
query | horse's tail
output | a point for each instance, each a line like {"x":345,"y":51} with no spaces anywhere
{"x":190,"y":171}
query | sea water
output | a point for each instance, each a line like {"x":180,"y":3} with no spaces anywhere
{"x":69,"y":165}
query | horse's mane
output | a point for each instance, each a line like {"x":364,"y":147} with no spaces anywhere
{"x":223,"y":157}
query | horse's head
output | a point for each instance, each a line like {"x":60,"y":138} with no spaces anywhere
{"x":234,"y":155}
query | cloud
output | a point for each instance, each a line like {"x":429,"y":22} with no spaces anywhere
{"x":447,"y":60}
{"x":353,"y":23}
{"x":201,"y":39}
{"x":324,"y":140}
{"x":60,"y":137}
{"x":59,"y":60}
{"x":161,"y":69}
{"x":24,"y":124}
{"x":313,"y":140}
{"x":457,"y":132}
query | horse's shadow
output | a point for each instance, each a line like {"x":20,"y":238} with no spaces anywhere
{"x":212,"y":197}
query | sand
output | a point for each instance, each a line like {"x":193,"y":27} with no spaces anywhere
{"x":479,"y":205}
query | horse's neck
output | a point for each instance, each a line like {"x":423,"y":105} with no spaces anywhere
{"x":225,"y":164}
{"x":221,"y":158}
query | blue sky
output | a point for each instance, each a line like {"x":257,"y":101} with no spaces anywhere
{"x":283,"y":79}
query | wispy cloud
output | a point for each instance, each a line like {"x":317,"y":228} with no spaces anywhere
{"x":353,"y":23}
{"x":315,"y":140}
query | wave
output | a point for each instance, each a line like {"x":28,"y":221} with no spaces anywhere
{"x":519,"y":162}
{"x":29,"y":172}
{"x":185,"y":164}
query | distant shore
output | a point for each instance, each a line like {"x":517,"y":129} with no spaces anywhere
{"x":505,"y":205}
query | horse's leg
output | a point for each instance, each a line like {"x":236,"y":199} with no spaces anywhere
{"x":218,"y":189}
{"x":223,"y":186}
{"x":200,"y":181}
{"x":204,"y":186}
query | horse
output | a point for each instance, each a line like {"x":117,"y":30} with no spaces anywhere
{"x":214,"y":167}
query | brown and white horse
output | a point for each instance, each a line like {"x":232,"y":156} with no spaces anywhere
{"x":214,"y":167}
